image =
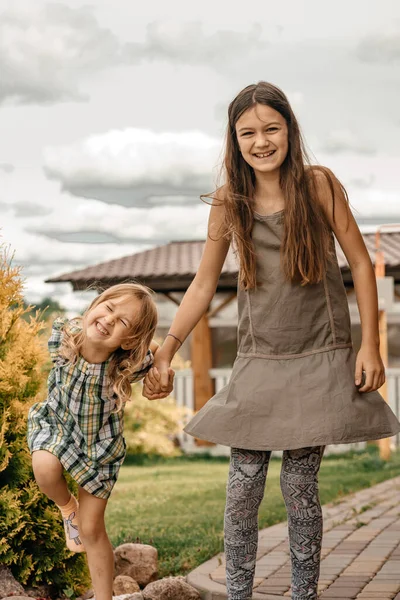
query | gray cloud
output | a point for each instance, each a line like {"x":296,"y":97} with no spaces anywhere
{"x":377,"y":220}
{"x":45,"y":53}
{"x":344,"y":140}
{"x":362,"y":183}
{"x":380,"y":49}
{"x":188,"y":44}
{"x":42,"y":269}
{"x":26,"y":209}
{"x":39,"y":264}
{"x":140,"y":194}
{"x":30,"y":209}
{"x":7,"y":168}
{"x":5,"y":207}
{"x":89,"y":236}
{"x":36,"y":259}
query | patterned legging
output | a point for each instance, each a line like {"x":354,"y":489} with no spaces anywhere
{"x":245,"y":490}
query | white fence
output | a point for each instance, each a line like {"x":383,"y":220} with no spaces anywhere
{"x":183,"y":392}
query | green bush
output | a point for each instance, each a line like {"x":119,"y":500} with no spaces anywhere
{"x":31,"y":532}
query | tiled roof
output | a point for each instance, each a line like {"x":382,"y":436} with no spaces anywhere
{"x":164,"y":268}
{"x":173,"y":266}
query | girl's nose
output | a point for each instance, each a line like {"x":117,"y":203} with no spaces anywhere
{"x":109,"y":319}
{"x":262,"y":141}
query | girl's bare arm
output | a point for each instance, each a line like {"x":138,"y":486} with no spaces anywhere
{"x":351,"y":241}
{"x":197,"y":297}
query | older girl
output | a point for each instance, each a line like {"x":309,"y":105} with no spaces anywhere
{"x":296,"y":384}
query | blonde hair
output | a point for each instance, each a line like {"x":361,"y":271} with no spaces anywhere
{"x":125,"y":361}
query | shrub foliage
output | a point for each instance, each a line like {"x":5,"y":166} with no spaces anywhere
{"x":31,"y":531}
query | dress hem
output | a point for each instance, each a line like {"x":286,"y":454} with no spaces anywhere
{"x":103,"y":494}
{"x":323,"y":442}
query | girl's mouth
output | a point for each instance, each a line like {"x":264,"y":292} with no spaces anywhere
{"x":101,"y":329}
{"x":264,"y":154}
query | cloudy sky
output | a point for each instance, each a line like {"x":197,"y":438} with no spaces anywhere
{"x":112,"y":116}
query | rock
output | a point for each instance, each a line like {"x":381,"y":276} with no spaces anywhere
{"x":139,"y":561}
{"x":87,"y":595}
{"x":170,"y":588}
{"x":123,"y":584}
{"x":41,"y":591}
{"x":9,"y":585}
{"x":135,"y":596}
{"x":17,"y":598}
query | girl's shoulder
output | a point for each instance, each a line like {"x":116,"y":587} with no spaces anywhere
{"x":56,"y":336}
{"x":59,"y":323}
{"x":59,"y":327}
{"x":319,"y":173}
{"x":63,"y":324}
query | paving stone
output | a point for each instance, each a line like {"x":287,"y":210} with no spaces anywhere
{"x":341,"y":592}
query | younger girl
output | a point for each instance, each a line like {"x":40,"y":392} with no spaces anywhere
{"x":79,"y":427}
{"x":296,"y":384}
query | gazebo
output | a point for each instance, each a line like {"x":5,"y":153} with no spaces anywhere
{"x":169,"y":269}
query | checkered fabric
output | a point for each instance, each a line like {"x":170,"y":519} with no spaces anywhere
{"x":76,"y":422}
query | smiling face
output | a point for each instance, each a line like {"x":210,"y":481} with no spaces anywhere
{"x":109,"y":323}
{"x":262,"y":135}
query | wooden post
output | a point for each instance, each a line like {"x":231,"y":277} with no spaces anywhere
{"x":384,"y":445}
{"x":201,"y":364}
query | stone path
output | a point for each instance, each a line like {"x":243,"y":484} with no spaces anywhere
{"x":360,"y":552}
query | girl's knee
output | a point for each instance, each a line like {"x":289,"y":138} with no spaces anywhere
{"x":91,"y":531}
{"x":47,"y":469}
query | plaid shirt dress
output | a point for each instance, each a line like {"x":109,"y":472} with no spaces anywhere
{"x":76,"y":422}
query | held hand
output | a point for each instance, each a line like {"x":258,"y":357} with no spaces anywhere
{"x":369,"y":361}
{"x":152,"y":384}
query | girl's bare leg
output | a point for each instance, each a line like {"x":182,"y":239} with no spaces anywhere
{"x":98,"y":547}
{"x":49,"y":476}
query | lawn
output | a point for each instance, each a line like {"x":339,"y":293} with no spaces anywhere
{"x":178,"y":505}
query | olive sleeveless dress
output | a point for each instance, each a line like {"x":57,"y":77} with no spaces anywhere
{"x":292,"y":383}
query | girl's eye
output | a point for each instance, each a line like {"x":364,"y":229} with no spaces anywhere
{"x":272,"y":129}
{"x":109,"y":307}
{"x":123,"y":322}
{"x":246,"y":133}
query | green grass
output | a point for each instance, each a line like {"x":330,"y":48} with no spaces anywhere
{"x":177,"y":505}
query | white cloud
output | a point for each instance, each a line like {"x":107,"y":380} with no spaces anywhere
{"x":133,"y":167}
{"x":96,"y":222}
{"x":35,"y":289}
{"x":45,"y":52}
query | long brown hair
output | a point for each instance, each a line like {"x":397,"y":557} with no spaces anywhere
{"x":307,"y":240}
{"x":125,"y":361}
